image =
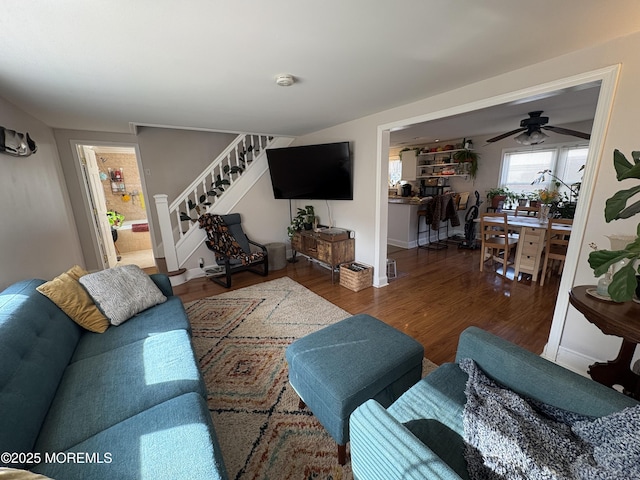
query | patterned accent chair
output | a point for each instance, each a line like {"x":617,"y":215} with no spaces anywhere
{"x":232,"y":247}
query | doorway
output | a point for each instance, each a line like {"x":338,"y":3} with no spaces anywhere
{"x":607,"y":78}
{"x":116,"y":193}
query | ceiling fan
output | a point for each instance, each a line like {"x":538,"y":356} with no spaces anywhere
{"x":532,"y":130}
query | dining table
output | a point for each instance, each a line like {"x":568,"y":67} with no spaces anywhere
{"x":532,"y":236}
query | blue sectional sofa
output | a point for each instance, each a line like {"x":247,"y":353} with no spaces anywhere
{"x":124,"y":404}
{"x":420,"y":435}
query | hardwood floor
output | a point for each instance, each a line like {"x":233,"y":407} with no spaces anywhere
{"x":436,"y":295}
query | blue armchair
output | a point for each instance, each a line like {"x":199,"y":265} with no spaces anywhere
{"x":420,"y":435}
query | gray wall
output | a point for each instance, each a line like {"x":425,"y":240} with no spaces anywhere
{"x":38,"y":236}
{"x":172,"y":159}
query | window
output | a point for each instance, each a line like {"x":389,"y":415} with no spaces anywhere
{"x":522,"y":167}
{"x":395,"y":172}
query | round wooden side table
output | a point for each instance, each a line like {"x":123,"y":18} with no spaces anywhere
{"x":621,"y":320}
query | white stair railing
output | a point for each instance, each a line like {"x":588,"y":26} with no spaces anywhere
{"x":178,"y":220}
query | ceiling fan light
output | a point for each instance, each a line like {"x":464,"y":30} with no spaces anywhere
{"x":523,"y":139}
{"x":537,"y":137}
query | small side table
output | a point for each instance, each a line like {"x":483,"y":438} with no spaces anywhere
{"x":276,"y":252}
{"x":621,"y":320}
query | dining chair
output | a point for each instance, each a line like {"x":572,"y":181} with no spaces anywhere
{"x":556,"y":244}
{"x":527,"y":211}
{"x":497,"y":242}
{"x":529,"y":253}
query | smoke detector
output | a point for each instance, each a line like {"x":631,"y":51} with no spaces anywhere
{"x":284,"y":80}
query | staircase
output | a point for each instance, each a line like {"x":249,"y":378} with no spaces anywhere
{"x":219,"y":187}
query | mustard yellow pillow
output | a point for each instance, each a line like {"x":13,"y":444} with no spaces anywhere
{"x":76,"y":272}
{"x":67,"y":293}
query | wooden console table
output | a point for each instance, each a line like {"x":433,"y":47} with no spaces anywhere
{"x":621,"y":320}
{"x":329,"y":248}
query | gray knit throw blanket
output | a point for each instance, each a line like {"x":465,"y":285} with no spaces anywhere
{"x":509,"y":437}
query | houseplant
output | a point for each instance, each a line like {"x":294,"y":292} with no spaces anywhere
{"x":115,"y":218}
{"x":548,"y":196}
{"x":303,"y":219}
{"x":512,"y":198}
{"x":565,"y":204}
{"x":623,"y":282}
{"x":533,"y":199}
{"x":497,"y":195}
{"x":470,"y":157}
{"x":522,"y":199}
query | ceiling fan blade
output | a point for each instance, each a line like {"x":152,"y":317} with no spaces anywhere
{"x":566,"y":131}
{"x":505,"y":135}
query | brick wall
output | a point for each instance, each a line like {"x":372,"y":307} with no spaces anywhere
{"x":133,"y":209}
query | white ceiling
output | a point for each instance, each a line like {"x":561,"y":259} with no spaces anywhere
{"x":563,"y":107}
{"x":108,"y":64}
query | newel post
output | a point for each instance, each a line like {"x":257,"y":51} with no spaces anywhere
{"x":166,"y":232}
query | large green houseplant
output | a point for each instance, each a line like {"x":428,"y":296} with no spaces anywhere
{"x":623,"y":283}
{"x":470,"y":157}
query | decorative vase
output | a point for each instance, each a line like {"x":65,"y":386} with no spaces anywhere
{"x":619,"y":242}
{"x":543,"y":216}
{"x":604,"y":282}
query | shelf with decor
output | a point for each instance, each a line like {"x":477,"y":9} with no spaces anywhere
{"x":444,"y":161}
{"x":448,"y":169}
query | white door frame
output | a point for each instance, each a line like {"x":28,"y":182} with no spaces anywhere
{"x":98,"y":206}
{"x":95,"y":234}
{"x":608,"y":78}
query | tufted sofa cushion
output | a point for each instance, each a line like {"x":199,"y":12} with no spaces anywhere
{"x":37,"y":341}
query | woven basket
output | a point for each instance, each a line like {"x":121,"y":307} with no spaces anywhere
{"x":356,"y":280}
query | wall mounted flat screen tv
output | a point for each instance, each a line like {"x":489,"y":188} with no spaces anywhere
{"x":312,"y":172}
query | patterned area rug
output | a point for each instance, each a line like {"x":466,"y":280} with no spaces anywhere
{"x":240,"y":339}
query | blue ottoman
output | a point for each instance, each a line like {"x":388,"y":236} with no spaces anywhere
{"x":336,"y":369}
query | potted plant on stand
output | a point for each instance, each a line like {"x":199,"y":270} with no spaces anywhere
{"x":304,"y":219}
{"x":619,"y":265}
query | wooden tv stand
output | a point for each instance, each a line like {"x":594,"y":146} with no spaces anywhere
{"x":329,"y":246}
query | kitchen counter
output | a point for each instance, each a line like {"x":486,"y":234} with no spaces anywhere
{"x":403,"y":221}
{"x":408,"y":200}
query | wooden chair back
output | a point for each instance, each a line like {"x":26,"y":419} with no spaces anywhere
{"x":557,"y":242}
{"x":496,"y":239}
{"x":527,"y":211}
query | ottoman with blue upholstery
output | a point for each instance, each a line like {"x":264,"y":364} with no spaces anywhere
{"x":336,"y":369}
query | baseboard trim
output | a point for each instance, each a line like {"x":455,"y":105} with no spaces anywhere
{"x":575,"y":361}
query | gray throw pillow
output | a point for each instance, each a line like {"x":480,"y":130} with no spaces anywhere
{"x":121,"y":292}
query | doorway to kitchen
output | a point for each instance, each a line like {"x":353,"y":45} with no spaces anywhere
{"x":606,"y":79}
{"x":115,"y":192}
